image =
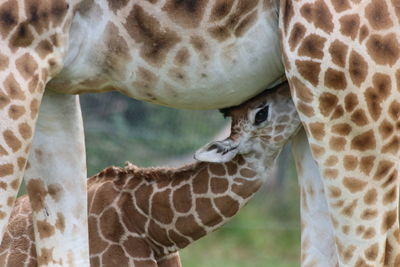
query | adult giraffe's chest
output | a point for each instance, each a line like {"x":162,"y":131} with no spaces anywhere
{"x":165,"y":55}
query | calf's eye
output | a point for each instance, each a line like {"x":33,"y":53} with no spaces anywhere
{"x":261,"y":115}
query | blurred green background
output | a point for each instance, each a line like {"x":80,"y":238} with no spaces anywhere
{"x":265,"y":233}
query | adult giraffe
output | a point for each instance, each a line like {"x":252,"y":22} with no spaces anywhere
{"x":342,"y":61}
{"x":193,"y":54}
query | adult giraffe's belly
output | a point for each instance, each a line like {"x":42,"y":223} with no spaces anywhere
{"x":199,"y":70}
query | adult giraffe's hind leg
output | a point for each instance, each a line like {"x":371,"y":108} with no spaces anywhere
{"x":341,"y":59}
{"x":317,"y":239}
{"x":56,"y":183}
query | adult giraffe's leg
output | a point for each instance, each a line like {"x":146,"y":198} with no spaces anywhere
{"x":317,"y":239}
{"x":22,"y":79}
{"x":56,"y":183}
{"x":172,"y":260}
{"x":342,"y":71}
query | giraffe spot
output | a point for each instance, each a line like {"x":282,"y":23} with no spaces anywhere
{"x":372,"y":252}
{"x":115,"y":51}
{"x":342,"y":129}
{"x":247,"y":173}
{"x":182,"y":57}
{"x":383,"y":49}
{"x":366,"y":164}
{"x":288,"y":13}
{"x":354,"y":185}
{"x":137,"y":247}
{"x":374,"y":96}
{"x":370,"y":197}
{"x":37,"y":193}
{"x":6,"y":169}
{"x":338,"y":51}
{"x":232,"y":168}
{"x":104,"y":195}
{"x":309,"y":70}
{"x":55,"y":191}
{"x":317,"y":130}
{"x":227,"y":206}
{"x":8,"y":17}
{"x":350,"y":163}
{"x":45,"y":256}
{"x":390,"y":196}
{"x":383,"y":169}
{"x":186,"y":13}
{"x":394,"y":110}
{"x":178,"y":239}
{"x":312,"y":46}
{"x":115,"y":256}
{"x":45,"y":229}
{"x":350,"y":102}
{"x":182,"y":199}
{"x":110,"y":225}
{"x":220,"y":10}
{"x":11,"y":140}
{"x":348,"y":210}
{"x":302,"y":91}
{"x":217,"y":169}
{"x":15,"y":112}
{"x":97,"y":244}
{"x":386,"y":129}
{"x":369,"y":214}
{"x":327,"y":103}
{"x":359,"y":117}
{"x":364,"y":32}
{"x":25,"y":130}
{"x":22,"y":37}
{"x":318,"y":13}
{"x":188,"y":226}
{"x":337,"y":113}
{"x":334,"y":192}
{"x":200,"y":182}
{"x":340,"y":5}
{"x":305,"y":109}
{"x":60,"y":222}
{"x":389,"y":220}
{"x":392,"y":146}
{"x":161,"y":209}
{"x":369,"y":233}
{"x":21,"y":163}
{"x":296,"y":35}
{"x":13,"y":89}
{"x":349,"y":25}
{"x":364,"y":141}
{"x":146,"y":30}
{"x":330,"y":173}
{"x":44,"y":48}
{"x":34,"y":107}
{"x":206,"y":212}
{"x":331,"y":161}
{"x":219,"y":186}
{"x":335,"y":79}
{"x":378,"y":15}
{"x":245,"y":188}
{"x":317,"y":151}
{"x":4,"y":61}
{"x":358,"y":68}
{"x":116,"y":5}
{"x":337,"y":143}
{"x":26,"y":65}
{"x":15,"y":184}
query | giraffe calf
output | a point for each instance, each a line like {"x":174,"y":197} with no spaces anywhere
{"x":143,"y":216}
